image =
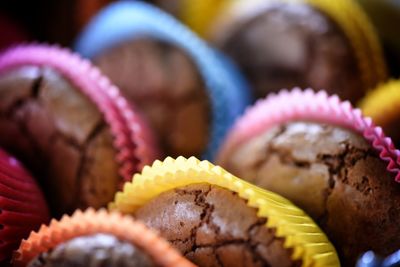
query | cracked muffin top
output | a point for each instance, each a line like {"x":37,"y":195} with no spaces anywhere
{"x":212,"y":226}
{"x":70,"y":126}
{"x":94,"y":250}
{"x":294,"y":45}
{"x":60,"y":135}
{"x":215,"y":219}
{"x":190,"y":93}
{"x":165,"y":84}
{"x":318,"y":44}
{"x":96,"y":238}
{"x":334,"y":173}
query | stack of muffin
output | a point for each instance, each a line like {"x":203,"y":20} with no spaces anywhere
{"x":100,"y":142}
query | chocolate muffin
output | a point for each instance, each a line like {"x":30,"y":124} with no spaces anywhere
{"x":215,"y":219}
{"x":200,"y":221}
{"x":60,"y":135}
{"x":338,"y":176}
{"x":313,"y":44}
{"x":164,"y":83}
{"x":291,"y":45}
{"x":190,"y":93}
{"x":78,"y":145}
{"x":95,"y":251}
{"x":96,"y":238}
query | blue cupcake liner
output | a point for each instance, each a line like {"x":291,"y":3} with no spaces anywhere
{"x":370,"y":259}
{"x":126,"y":20}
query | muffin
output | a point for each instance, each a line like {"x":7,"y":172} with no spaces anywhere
{"x":70,"y":126}
{"x":216,"y":219}
{"x":312,"y":43}
{"x":329,"y":160}
{"x":22,"y":205}
{"x":167,"y":87}
{"x":382,"y":105}
{"x":189,"y":93}
{"x":94,"y":239}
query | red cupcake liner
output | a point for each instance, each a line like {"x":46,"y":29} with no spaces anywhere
{"x":313,"y":106}
{"x":22,"y":205}
{"x":16,"y":194}
{"x":133,"y":139}
{"x":8,"y":181}
{"x":11,"y":165}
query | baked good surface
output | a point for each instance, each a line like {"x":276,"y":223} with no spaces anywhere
{"x":213,"y":226}
{"x":60,"y":135}
{"x":333,"y":174}
{"x":96,"y":251}
{"x":288,"y":45}
{"x":165,"y":85}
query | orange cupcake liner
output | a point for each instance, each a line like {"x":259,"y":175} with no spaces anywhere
{"x":91,"y":222}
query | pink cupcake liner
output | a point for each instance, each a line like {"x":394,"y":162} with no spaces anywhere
{"x":309,"y":105}
{"x":22,"y":205}
{"x":132,"y":138}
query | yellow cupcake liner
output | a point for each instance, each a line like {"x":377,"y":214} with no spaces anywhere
{"x":202,"y":15}
{"x":199,"y":15}
{"x":308,"y":243}
{"x":382,"y":104}
{"x":355,"y":24}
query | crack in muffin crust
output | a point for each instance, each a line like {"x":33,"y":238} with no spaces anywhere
{"x":196,"y":221}
{"x":334,"y":175}
{"x":319,"y":50}
{"x":60,"y":135}
{"x":168,"y":90}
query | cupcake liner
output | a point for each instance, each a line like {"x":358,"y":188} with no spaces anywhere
{"x":199,"y":15}
{"x":301,"y":234}
{"x":22,"y":205}
{"x":132,"y":139}
{"x":370,"y":259}
{"x":349,"y":16}
{"x":16,"y":194}
{"x":361,"y":34}
{"x":312,"y":106}
{"x":392,"y":260}
{"x":16,"y":205}
{"x":382,"y":103}
{"x":11,"y":184}
{"x":91,"y":222}
{"x":128,"y":20}
{"x":11,"y":166}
